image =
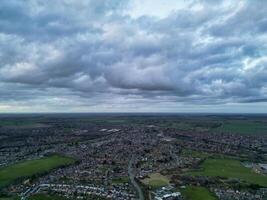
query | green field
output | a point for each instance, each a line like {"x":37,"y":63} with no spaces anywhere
{"x":248,"y":126}
{"x":13,"y":123}
{"x":6,"y":198}
{"x":32,"y":167}
{"x":156,"y":180}
{"x":243,"y":127}
{"x":24,"y":124}
{"x":195,"y":154}
{"x":229,"y":168}
{"x":203,"y":155}
{"x":45,"y":197}
{"x":197,"y":193}
{"x":120,"y":180}
{"x":9,"y":197}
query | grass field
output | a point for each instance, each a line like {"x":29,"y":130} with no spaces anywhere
{"x":120,"y":180}
{"x":229,"y":168}
{"x":9,"y":198}
{"x":45,"y":197}
{"x":195,"y":154}
{"x":32,"y":167}
{"x":243,"y":127}
{"x":24,"y":124}
{"x":236,"y":126}
{"x":197,"y":193}
{"x":203,"y":155}
{"x":156,"y":180}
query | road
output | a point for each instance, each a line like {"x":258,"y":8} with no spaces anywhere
{"x":133,"y":181}
{"x":174,"y":155}
{"x":29,"y":192}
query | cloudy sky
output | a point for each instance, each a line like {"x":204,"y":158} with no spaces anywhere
{"x":133,"y":56}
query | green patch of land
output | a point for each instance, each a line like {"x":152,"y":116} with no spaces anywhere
{"x":9,"y":198}
{"x":204,"y":155}
{"x":29,"y":168}
{"x":197,"y":193}
{"x":229,"y":168}
{"x":120,"y":180}
{"x":105,"y":120}
{"x":246,"y":126}
{"x":156,"y":180}
{"x":243,"y":127}
{"x":30,"y":124}
{"x":46,"y":197}
{"x":195,"y":154}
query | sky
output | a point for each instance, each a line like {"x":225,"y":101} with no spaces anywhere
{"x":133,"y":56}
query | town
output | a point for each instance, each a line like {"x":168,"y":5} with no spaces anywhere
{"x":127,"y":157}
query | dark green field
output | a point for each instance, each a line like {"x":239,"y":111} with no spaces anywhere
{"x":55,"y":197}
{"x":45,"y":197}
{"x":120,"y":180}
{"x":32,"y":167}
{"x":197,"y":193}
{"x":229,"y":168}
{"x":246,"y":127}
{"x":249,"y":127}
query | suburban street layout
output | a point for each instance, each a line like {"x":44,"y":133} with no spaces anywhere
{"x":133,"y":157}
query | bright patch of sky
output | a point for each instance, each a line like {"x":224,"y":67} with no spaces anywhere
{"x":155,"y":8}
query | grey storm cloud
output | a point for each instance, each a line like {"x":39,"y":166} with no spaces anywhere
{"x":87,"y":51}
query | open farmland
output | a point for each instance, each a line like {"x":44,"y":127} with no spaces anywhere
{"x":32,"y":167}
{"x":229,"y":168}
{"x":249,"y":127}
{"x":27,"y":123}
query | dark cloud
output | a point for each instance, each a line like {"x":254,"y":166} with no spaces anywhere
{"x":92,"y":53}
